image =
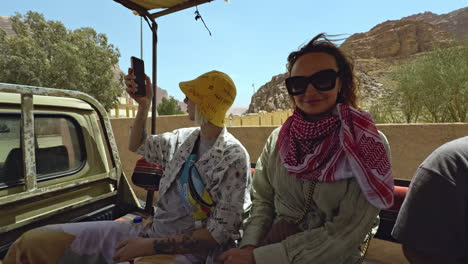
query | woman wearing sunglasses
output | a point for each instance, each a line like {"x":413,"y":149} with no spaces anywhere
{"x":323,"y":175}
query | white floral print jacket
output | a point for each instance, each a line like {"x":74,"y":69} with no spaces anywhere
{"x":225,"y":170}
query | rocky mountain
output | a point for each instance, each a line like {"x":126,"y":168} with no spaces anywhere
{"x":455,"y":23}
{"x":396,"y":38}
{"x":375,"y":53}
{"x":237,"y":110}
{"x":5,"y":24}
{"x":271,"y":96}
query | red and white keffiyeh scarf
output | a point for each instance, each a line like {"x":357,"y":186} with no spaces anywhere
{"x":336,"y":148}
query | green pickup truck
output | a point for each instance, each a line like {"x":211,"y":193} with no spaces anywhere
{"x":58,"y":162}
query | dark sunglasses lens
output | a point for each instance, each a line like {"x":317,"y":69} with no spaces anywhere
{"x":296,"y":85}
{"x":324,"y":80}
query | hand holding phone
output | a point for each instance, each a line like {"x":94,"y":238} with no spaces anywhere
{"x":138,"y":67}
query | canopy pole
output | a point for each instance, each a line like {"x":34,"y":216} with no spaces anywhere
{"x":154,"y":113}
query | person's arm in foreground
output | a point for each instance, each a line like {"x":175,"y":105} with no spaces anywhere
{"x":427,"y":224}
{"x":415,"y":257}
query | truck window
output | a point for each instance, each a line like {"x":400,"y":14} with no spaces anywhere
{"x":58,"y":147}
{"x":9,"y":141}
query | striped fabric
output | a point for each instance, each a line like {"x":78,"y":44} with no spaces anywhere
{"x":147,"y":175}
{"x":143,"y":166}
{"x":341,"y":146}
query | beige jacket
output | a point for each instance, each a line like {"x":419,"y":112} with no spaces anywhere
{"x":333,"y":229}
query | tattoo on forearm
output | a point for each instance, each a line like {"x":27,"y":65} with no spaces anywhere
{"x":179,"y":245}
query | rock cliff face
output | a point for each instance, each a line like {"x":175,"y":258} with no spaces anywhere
{"x":271,"y":96}
{"x":376,"y":51}
{"x":396,"y":38}
{"x":455,"y":23}
{"x":5,"y":24}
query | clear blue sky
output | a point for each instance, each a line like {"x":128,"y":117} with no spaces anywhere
{"x":251,"y":38}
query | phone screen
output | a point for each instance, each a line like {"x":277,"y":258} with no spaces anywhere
{"x":138,"y":67}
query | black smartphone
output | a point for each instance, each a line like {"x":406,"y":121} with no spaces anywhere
{"x":138,"y":67}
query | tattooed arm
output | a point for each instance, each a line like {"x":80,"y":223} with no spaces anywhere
{"x":192,"y":241}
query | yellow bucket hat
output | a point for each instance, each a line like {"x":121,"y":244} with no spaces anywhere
{"x":213,"y":92}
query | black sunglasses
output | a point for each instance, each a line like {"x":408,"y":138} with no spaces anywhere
{"x":323,"y":81}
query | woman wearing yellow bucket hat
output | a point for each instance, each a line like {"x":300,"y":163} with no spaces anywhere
{"x":202,"y":193}
{"x":213,"y":93}
{"x":207,"y":159}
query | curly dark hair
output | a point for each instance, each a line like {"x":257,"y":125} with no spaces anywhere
{"x":321,"y":43}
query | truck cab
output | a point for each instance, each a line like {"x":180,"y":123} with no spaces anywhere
{"x":59,"y":162}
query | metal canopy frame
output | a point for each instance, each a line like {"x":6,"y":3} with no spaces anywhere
{"x":143,"y":12}
{"x":188,"y":4}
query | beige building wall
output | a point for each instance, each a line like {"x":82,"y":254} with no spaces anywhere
{"x":410,"y":143}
